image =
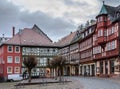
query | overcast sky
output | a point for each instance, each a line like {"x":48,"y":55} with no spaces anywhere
{"x":57,"y":18}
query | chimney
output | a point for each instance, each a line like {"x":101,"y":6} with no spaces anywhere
{"x":13,"y":31}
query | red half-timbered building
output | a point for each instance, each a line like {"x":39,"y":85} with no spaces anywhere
{"x":106,"y":41}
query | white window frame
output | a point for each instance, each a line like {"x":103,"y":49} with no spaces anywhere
{"x":8,"y":60}
{"x":11,"y":48}
{"x":10,"y":71}
{"x":17,"y":57}
{"x":18,"y":48}
{"x":18,"y":69}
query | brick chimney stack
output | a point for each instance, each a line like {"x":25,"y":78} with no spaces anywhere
{"x":13,"y":31}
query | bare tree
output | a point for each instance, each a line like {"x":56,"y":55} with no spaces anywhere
{"x":30,"y":62}
{"x":58,"y":62}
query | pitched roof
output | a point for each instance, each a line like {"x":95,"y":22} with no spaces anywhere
{"x":111,"y":12}
{"x":66,"y":40}
{"x":106,"y":9}
{"x":103,"y":10}
{"x":78,"y":36}
{"x":30,"y":37}
{"x":37,"y":29}
{"x":117,"y":14}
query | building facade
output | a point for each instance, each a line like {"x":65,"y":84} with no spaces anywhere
{"x":98,"y":45}
{"x":106,"y":41}
{"x":87,"y":65}
{"x":92,"y":50}
{"x":28,"y":41}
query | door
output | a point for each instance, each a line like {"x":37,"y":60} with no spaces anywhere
{"x":93,"y":70}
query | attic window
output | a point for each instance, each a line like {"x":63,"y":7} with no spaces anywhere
{"x":117,"y":14}
{"x":90,"y":30}
{"x":77,"y":33}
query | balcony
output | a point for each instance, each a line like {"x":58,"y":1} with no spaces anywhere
{"x":101,"y":40}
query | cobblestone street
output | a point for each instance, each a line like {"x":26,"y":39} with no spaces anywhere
{"x":77,"y":83}
{"x":68,"y":85}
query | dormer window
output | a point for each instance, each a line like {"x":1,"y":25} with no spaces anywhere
{"x":117,"y":14}
{"x":86,"y":33}
{"x":90,"y":30}
{"x":83,"y":35}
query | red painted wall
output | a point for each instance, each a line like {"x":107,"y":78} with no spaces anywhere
{"x":13,"y":64}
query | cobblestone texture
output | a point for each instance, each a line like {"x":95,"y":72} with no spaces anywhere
{"x":77,"y":83}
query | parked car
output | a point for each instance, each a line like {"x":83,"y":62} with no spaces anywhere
{"x":14,"y":77}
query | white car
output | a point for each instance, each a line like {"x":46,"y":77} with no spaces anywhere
{"x":14,"y":77}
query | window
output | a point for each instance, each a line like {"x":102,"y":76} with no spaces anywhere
{"x":83,"y":35}
{"x":48,"y":50}
{"x":105,"y":33}
{"x":113,"y":30}
{"x":9,"y":69}
{"x":111,"y":45}
{"x":17,"y":59}
{"x":86,"y":33}
{"x":117,"y":14}
{"x":116,"y":27}
{"x":17,"y":49}
{"x":97,"y":50}
{"x":90,"y":30}
{"x":100,"y":33}
{"x":108,"y":46}
{"x":9,"y":59}
{"x":17,"y":70}
{"x":43,"y":61}
{"x":10,"y":48}
{"x":100,"y":19}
